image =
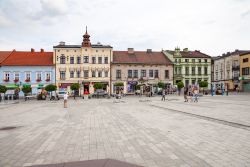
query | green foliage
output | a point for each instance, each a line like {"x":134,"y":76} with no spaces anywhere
{"x":137,"y":87}
{"x":203,"y":84}
{"x":26,"y":89}
{"x":50,"y":88}
{"x":75,"y":86}
{"x":119,"y":84}
{"x":98,"y":86}
{"x":180,"y":85}
{"x":161,"y":84}
{"x":3,"y":89}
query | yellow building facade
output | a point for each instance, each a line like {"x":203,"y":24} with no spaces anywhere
{"x":85,"y":64}
{"x":245,"y":72}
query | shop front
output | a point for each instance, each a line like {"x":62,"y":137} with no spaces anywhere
{"x":131,"y":87}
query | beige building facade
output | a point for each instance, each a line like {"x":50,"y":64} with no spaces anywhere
{"x":144,"y":68}
{"x":85,"y":64}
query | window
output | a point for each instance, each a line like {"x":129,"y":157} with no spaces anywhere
{"x":93,"y":60}
{"x":86,"y":73}
{"x":106,"y":60}
{"x":205,"y":70}
{"x":186,"y":82}
{"x":179,"y":70}
{"x":167,"y":74}
{"x":193,"y":60}
{"x":71,"y":60}
{"x":199,"y":60}
{"x":99,"y":73}
{"x":221,"y":74}
{"x":118,"y":74}
{"x":193,"y":70}
{"x":93,"y":74}
{"x":156,"y":74}
{"x":199,"y":80}
{"x":245,"y":60}
{"x":27,"y":76}
{"x":99,"y":60}
{"x":16,"y":76}
{"x":187,"y":70}
{"x":6,"y":76}
{"x":78,"y":74}
{"x":143,"y":73}
{"x":78,"y":60}
{"x":186,"y":60}
{"x":71,"y":74}
{"x":106,"y":74}
{"x":86,"y":59}
{"x":193,"y":81}
{"x":216,"y":76}
{"x":47,"y":76}
{"x":235,"y":63}
{"x":62,"y":59}
{"x":245,"y":71}
{"x":179,"y":60}
{"x":62,"y":75}
{"x":135,"y":73}
{"x":175,"y":60}
{"x":205,"y":60}
{"x":38,"y":76}
{"x":151,"y":73}
{"x":199,"y":70}
{"x":129,"y":73}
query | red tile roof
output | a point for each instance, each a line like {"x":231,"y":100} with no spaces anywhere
{"x":140,"y":57}
{"x":19,"y":58}
{"x":4,"y":55}
{"x":191,"y":54}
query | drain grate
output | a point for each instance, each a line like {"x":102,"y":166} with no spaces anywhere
{"x":8,"y":128}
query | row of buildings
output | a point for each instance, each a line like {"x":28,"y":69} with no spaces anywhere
{"x":88,"y":64}
{"x":231,"y":70}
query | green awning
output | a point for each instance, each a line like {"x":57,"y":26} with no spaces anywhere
{"x":40,"y":86}
{"x":26,"y":85}
{"x":11,"y":86}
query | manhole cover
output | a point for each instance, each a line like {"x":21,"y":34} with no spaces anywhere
{"x":8,"y":128}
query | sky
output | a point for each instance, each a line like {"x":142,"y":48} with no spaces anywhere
{"x":211,"y":26}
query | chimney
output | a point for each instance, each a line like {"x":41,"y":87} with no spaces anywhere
{"x":32,"y":50}
{"x":42,"y":50}
{"x":61,"y":43}
{"x":130,"y":50}
{"x":149,"y":50}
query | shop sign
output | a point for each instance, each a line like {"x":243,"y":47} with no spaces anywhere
{"x":132,"y":82}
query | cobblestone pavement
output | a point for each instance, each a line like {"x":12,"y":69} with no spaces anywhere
{"x":144,"y":131}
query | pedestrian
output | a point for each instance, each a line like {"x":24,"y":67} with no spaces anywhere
{"x":65,"y":97}
{"x":185,"y":94}
{"x":226,"y":90}
{"x":163,"y":95}
{"x":196,"y":94}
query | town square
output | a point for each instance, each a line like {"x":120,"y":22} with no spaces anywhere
{"x":124,"y":83}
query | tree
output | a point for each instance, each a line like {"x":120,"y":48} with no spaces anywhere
{"x":74,"y":87}
{"x":119,"y":84}
{"x":3,"y":89}
{"x":50,"y":88}
{"x":180,"y":85}
{"x":26,"y":90}
{"x":161,"y":84}
{"x":98,"y":86}
{"x":203,"y":84}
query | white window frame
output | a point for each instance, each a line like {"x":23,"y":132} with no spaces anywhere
{"x":46,"y":76}
{"x":37,"y":74}
{"x":29,"y":75}
{"x":17,"y":76}
{"x":4,"y":75}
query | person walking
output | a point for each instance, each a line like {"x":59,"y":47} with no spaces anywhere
{"x":196,"y":94}
{"x":226,"y":90}
{"x":65,"y":98}
{"x":163,"y":95}
{"x":185,"y":94}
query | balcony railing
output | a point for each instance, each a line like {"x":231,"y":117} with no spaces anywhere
{"x":235,"y":68}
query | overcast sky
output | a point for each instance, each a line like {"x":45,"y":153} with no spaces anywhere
{"x":212,"y":26}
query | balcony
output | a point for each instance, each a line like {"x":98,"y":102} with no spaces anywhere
{"x":236,"y":78}
{"x":235,"y":68}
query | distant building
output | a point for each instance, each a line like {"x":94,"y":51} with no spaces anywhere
{"x":34,"y":69}
{"x":85,"y":64}
{"x":190,"y":67}
{"x":227,"y":70}
{"x":148,"y":68}
{"x":245,"y":71}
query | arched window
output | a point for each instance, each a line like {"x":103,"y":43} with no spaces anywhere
{"x":62,"y":59}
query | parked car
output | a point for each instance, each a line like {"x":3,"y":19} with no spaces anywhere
{"x":100,"y":93}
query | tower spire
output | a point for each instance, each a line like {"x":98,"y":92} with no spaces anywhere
{"x":86,"y":40}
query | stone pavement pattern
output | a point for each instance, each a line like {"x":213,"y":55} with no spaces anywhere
{"x":134,"y":130}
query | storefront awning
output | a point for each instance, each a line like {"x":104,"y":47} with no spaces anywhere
{"x":11,"y":86}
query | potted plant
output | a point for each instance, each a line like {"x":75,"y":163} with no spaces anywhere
{"x":74,"y":87}
{"x":180,"y":85}
{"x":16,"y":80}
{"x":6,"y":80}
{"x":3,"y":90}
{"x":47,"y":80}
{"x":26,"y":90}
{"x":203,"y":84}
{"x":27,"y":80}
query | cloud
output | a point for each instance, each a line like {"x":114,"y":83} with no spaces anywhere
{"x":4,"y":21}
{"x":245,"y":14}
